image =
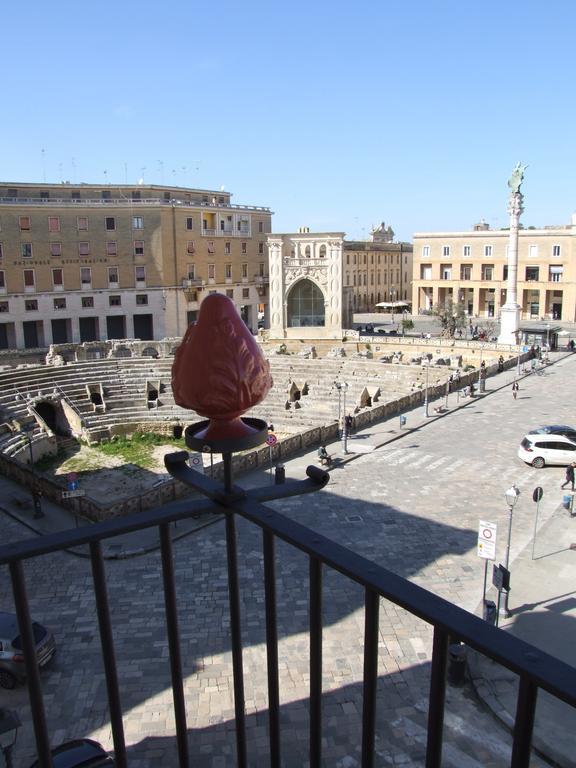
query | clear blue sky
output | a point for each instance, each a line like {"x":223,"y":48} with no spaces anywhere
{"x":336,"y":115}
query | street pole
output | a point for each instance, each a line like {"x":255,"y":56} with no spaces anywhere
{"x":426,"y":391}
{"x":447,"y":392}
{"x":344,"y":387}
{"x":511,"y":498}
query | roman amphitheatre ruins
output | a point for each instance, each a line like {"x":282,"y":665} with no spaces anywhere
{"x":80,"y":395}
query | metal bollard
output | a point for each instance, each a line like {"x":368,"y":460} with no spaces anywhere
{"x":456,"y":664}
{"x":279,"y":474}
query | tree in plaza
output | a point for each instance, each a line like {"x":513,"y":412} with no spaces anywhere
{"x":451,"y":315}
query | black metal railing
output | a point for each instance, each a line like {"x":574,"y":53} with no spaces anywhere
{"x":535,"y":668}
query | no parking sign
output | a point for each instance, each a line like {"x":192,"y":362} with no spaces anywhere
{"x":487,"y":540}
{"x":195,"y":462}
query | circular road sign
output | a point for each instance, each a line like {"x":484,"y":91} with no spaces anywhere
{"x":271,"y":439}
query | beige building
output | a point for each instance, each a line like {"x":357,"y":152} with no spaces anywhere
{"x":377,"y":270}
{"x":85,"y":262}
{"x":471,"y":268}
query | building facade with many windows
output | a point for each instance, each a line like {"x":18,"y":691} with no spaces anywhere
{"x":83,"y":262}
{"x":471,"y":268}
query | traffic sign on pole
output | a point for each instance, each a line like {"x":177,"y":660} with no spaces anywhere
{"x":271,"y":439}
{"x":487,"y":540}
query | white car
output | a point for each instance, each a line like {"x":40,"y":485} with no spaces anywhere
{"x":539,"y":450}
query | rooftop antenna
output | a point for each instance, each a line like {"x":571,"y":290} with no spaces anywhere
{"x":43,"y":165}
{"x":74,"y":170}
{"x":161,"y":166}
{"x":105,"y":177}
{"x":125,"y":173}
{"x":60,"y":172}
{"x":184,"y":169}
{"x":142,"y":174}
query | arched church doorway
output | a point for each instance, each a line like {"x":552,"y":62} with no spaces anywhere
{"x":305,"y":305}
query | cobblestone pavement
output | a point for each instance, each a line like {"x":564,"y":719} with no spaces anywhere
{"x":412,"y":505}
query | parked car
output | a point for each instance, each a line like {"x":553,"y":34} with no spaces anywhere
{"x":555,"y":429}
{"x":12,"y":667}
{"x":541,"y":449}
{"x":81,"y":753}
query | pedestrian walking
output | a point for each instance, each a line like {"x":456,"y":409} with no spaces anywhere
{"x":515,"y":388}
{"x":569,"y":476}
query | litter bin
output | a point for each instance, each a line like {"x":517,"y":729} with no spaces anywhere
{"x":456,"y":663}
{"x":567,"y":502}
{"x":177,"y":431}
{"x":490,"y":611}
{"x":279,"y":474}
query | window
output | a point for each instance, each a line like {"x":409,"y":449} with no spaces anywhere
{"x":87,"y":302}
{"x":445,"y":271}
{"x":244,"y":270}
{"x":4,"y":306}
{"x":137,"y":222}
{"x":137,"y":196}
{"x":84,"y":248}
{"x":140,"y":273}
{"x":29,"y":278}
{"x":1,"y":251}
{"x":110,"y":223}
{"x":189,"y":222}
{"x":115,"y":301}
{"x":533,"y":251}
{"x":466,"y":250}
{"x":85,"y":276}
{"x":190,"y":248}
{"x":532,"y":274}
{"x":2,"y":280}
{"x":45,"y":195}
{"x":425,"y":251}
{"x":191,"y":271}
{"x":138,"y":247}
{"x":106,"y":194}
{"x":505,"y":272}
{"x":487,"y":250}
{"x":211,"y":271}
{"x":243,"y":248}
{"x":141,"y":299}
{"x":26,"y":250}
{"x":24,"y":223}
{"x":445,"y":250}
{"x":245,"y":293}
{"x":55,"y":249}
{"x":230,"y":293}
{"x":210,"y":246}
{"x":261,"y":269}
{"x":260,"y":226}
{"x":111,"y":248}
{"x":228,"y":271}
{"x":57,"y":279}
{"x":60,"y":303}
{"x":487,"y":271}
{"x":466,"y":272}
{"x":555,"y":250}
{"x":113,"y":275}
{"x":261,"y":249}
{"x":82,"y":223}
{"x":75,"y":195}
{"x":425,"y":272}
{"x":53,"y":223}
{"x":227,"y":248}
{"x":31,"y":305}
{"x":555,"y":273}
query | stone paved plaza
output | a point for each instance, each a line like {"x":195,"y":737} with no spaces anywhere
{"x":409,"y":500}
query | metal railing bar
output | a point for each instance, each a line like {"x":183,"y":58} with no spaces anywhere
{"x":75,"y":537}
{"x":371,"y":630}
{"x":32,"y":672}
{"x":524,"y":723}
{"x":235,"y":624}
{"x":272,"y":649}
{"x":548,"y":672}
{"x":108,"y":654}
{"x":174,"y":644}
{"x":437,"y":699}
{"x":315,"y":662}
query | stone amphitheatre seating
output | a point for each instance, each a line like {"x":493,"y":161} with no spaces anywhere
{"x":96,"y":390}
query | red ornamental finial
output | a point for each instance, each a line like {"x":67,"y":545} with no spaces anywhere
{"x":219,"y":370}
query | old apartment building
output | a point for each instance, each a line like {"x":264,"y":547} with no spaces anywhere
{"x":84,"y":262}
{"x":377,"y":270}
{"x":471,"y":268}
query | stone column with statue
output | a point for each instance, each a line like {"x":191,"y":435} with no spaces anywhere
{"x":510,"y":312}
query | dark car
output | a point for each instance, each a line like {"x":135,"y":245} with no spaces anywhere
{"x":12,"y":667}
{"x":81,"y":753}
{"x":555,"y":429}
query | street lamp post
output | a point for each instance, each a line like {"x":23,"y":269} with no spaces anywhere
{"x":340,"y":423}
{"x":426,"y":389}
{"x":512,"y":495}
{"x":342,"y":386}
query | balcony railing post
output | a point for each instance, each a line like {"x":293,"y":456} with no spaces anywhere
{"x":524,"y":723}
{"x":371,"y":628}
{"x":272,"y":648}
{"x":437,"y":698}
{"x":315,"y":662}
